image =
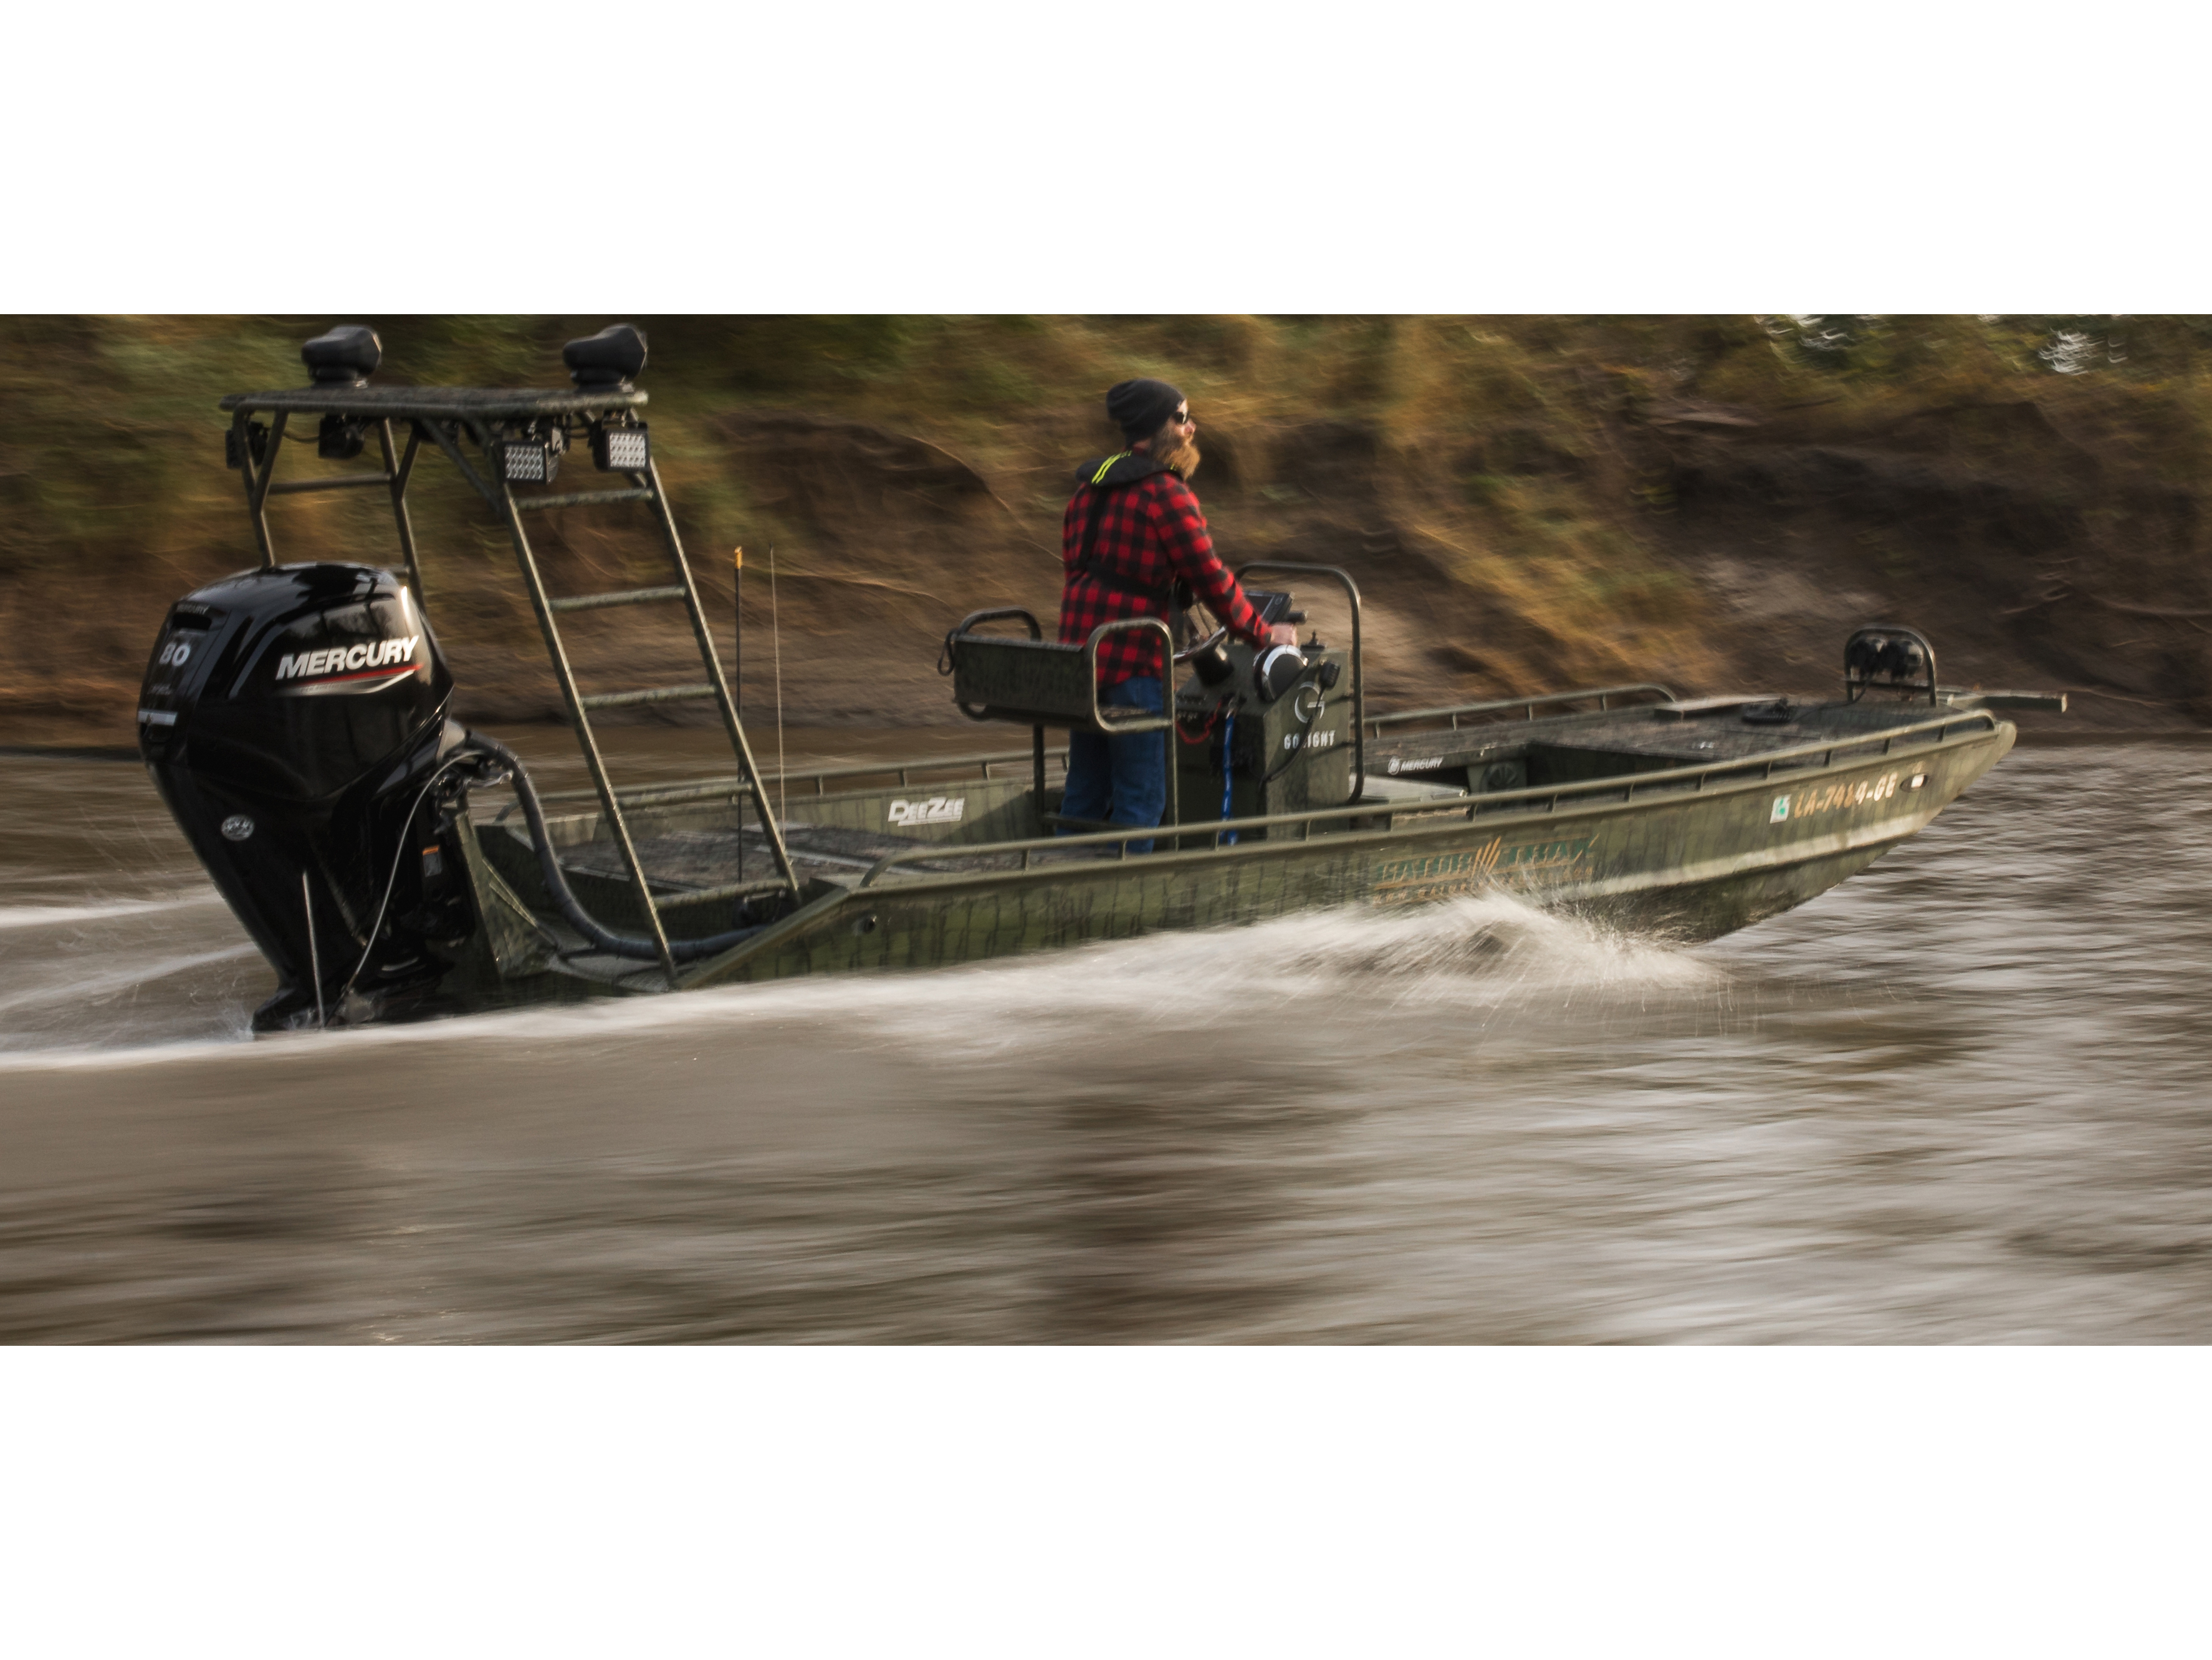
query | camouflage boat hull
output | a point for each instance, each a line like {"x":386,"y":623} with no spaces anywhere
{"x":1687,"y":870}
{"x":1684,"y":855}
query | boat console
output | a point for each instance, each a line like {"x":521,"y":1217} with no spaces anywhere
{"x":1257,"y":732}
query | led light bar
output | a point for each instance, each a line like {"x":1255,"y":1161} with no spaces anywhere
{"x":621,"y":449}
{"x":530,"y":457}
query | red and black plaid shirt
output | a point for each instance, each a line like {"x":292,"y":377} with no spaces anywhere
{"x":1148,"y":533}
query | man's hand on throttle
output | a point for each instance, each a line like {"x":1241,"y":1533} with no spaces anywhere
{"x":1283,"y":633}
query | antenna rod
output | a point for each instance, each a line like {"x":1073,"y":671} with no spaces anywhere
{"x":775,"y":636}
{"x":737,"y":678}
{"x":314,"y":954}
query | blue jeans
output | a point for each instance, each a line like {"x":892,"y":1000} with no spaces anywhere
{"x":1119,"y":780}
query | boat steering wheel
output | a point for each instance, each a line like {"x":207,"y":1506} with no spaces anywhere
{"x":1200,"y":646}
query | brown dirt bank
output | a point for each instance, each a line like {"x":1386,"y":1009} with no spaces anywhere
{"x":1526,"y":505}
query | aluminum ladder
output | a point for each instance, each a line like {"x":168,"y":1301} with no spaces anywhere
{"x":643,"y":487}
{"x":443,"y":415}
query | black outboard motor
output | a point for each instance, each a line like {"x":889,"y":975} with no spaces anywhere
{"x":294,"y":719}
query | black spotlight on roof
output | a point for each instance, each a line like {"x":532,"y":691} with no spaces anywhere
{"x":344,"y":357}
{"x":236,"y":443}
{"x":340,"y":437}
{"x":607,"y":361}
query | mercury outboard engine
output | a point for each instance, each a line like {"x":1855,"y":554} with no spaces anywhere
{"x":294,"y":719}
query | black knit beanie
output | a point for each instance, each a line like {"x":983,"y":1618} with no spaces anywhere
{"x":1142,"y":408}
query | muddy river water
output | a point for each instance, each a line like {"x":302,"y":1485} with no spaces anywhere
{"x":1966,"y":1097}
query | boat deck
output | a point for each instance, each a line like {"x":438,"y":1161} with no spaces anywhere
{"x":1495,"y":784}
{"x":1404,"y":771}
{"x":1649,"y":739}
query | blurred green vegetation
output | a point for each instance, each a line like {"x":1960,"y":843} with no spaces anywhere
{"x":111,"y":450}
{"x":1500,"y":436}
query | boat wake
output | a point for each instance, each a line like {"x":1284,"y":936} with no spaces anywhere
{"x":57,"y":916}
{"x":1484,"y":956}
{"x":1482,"y":945}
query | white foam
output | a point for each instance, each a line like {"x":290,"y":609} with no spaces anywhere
{"x":52,"y":917}
{"x":95,"y":986}
{"x":1481,"y":954}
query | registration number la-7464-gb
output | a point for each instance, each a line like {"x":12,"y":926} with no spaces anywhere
{"x":1829,"y":797}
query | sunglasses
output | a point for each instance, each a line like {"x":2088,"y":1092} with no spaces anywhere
{"x":1182,"y":418}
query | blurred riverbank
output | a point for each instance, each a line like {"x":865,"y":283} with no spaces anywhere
{"x":1528,"y":503}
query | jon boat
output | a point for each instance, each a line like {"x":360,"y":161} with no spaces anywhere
{"x":295,"y":718}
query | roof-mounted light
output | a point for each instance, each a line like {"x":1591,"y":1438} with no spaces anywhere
{"x":345,"y":356}
{"x":532,"y":454}
{"x":621,"y":449}
{"x":607,"y":361}
{"x":340,"y":438}
{"x":250,"y":437}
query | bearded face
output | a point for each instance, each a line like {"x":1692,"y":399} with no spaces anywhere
{"x":1179,"y":453}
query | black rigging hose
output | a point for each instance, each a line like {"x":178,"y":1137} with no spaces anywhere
{"x":615,"y":945}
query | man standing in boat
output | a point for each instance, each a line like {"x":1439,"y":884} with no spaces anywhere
{"x":1136,"y":545}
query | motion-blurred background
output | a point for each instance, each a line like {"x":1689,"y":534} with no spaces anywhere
{"x":1527,"y":501}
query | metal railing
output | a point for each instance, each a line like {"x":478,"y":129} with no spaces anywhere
{"x":653,"y":795}
{"x":1528,"y":705}
{"x":819,"y":778}
{"x":1582,"y":792}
